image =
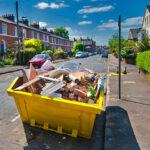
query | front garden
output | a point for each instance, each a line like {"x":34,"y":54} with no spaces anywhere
{"x":29,"y":49}
{"x":133,"y":52}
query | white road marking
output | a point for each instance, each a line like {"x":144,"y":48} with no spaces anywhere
{"x":14,"y":119}
{"x":129,"y":82}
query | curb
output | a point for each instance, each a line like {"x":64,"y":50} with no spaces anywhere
{"x":62,"y":60}
{"x":106,"y":132}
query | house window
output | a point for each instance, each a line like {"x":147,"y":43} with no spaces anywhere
{"x":37,"y":35}
{"x":4,"y":28}
{"x":32,"y":34}
{"x":24,"y":33}
{"x":16,"y":31}
{"x":45,"y":37}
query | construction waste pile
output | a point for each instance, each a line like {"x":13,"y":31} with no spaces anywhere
{"x":71,"y":81}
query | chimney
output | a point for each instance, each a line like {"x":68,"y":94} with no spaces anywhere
{"x":51,"y":31}
{"x":9,"y":17}
{"x":24,"y":21}
{"x":35,"y":25}
{"x":44,"y":29}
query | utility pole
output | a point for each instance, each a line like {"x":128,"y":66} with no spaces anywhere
{"x":119,"y":57}
{"x":18,"y":44}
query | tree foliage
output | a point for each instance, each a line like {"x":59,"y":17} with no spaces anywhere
{"x":77,"y":46}
{"x":128,"y":46}
{"x":143,"y":60}
{"x":61,"y":31}
{"x":144,"y":43}
{"x":113,"y":43}
{"x":33,"y":43}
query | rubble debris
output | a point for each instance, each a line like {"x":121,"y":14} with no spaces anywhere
{"x":77,"y":76}
{"x":27,"y":84}
{"x":82,"y":86}
{"x":56,"y":95}
{"x":32,"y":72}
{"x":57,"y":72}
{"x":47,"y":66}
{"x":90,"y":101}
{"x":53,"y":88}
{"x":48,"y":78}
{"x":80,"y":93}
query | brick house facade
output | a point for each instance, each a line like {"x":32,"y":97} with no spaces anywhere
{"x":8,"y":35}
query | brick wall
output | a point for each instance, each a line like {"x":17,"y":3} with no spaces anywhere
{"x":51,"y":41}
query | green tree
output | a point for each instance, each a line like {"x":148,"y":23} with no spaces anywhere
{"x":144,"y":43}
{"x":113,"y":43}
{"x":61,"y":31}
{"x":33,"y":43}
{"x":77,"y":46}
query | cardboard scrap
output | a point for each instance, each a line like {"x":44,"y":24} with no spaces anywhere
{"x":32,"y":72}
{"x":47,"y":66}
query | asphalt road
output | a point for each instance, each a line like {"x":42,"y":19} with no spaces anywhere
{"x":16,"y":136}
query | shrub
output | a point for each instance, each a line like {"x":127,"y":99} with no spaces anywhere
{"x":59,"y":54}
{"x":49,"y":52}
{"x":77,"y":46}
{"x":1,"y":64}
{"x":71,"y":54}
{"x":26,"y":55}
{"x":33,"y":43}
{"x":9,"y":61}
{"x":11,"y":53}
{"x":143,"y":61}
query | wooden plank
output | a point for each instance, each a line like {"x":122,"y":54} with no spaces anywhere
{"x":53,"y":89}
{"x":50,"y":79}
{"x":27,"y":84}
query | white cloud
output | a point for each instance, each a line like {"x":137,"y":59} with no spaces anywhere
{"x":74,"y":33}
{"x":94,"y":0}
{"x":42,"y":24}
{"x":111,"y":20}
{"x":84,"y":23}
{"x":52,"y":5}
{"x":78,"y":0}
{"x":42,"y":5}
{"x":126,"y":24}
{"x":132,"y":21}
{"x":95,"y":9}
{"x":86,"y":6}
{"x":84,"y":16}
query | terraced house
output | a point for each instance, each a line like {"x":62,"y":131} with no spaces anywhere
{"x":8,"y":34}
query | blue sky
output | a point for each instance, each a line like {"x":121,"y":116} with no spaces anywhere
{"x":96,"y":19}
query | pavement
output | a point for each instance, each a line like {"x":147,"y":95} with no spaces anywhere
{"x":128,"y":119}
{"x":14,"y":135}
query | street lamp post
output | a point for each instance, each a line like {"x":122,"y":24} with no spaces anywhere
{"x":119,"y":57}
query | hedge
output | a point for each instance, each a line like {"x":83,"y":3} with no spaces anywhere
{"x":143,"y":61}
{"x":26,"y":55}
{"x":49,"y":52}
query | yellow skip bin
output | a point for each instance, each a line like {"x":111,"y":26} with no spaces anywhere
{"x":56,"y":114}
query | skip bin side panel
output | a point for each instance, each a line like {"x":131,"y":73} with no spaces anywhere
{"x":53,"y":113}
{"x":22,"y":107}
{"x":87,"y":122}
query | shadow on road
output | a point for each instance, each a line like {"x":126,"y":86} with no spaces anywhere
{"x":119,"y":134}
{"x":38,"y":139}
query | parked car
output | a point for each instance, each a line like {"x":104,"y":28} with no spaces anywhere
{"x":95,"y":53}
{"x":104,"y":54}
{"x":86,"y":54}
{"x":81,"y":54}
{"x":39,"y":59}
{"x":90,"y":54}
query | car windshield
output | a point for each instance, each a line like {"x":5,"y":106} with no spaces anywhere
{"x":79,"y":52}
{"x":40,"y":56}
